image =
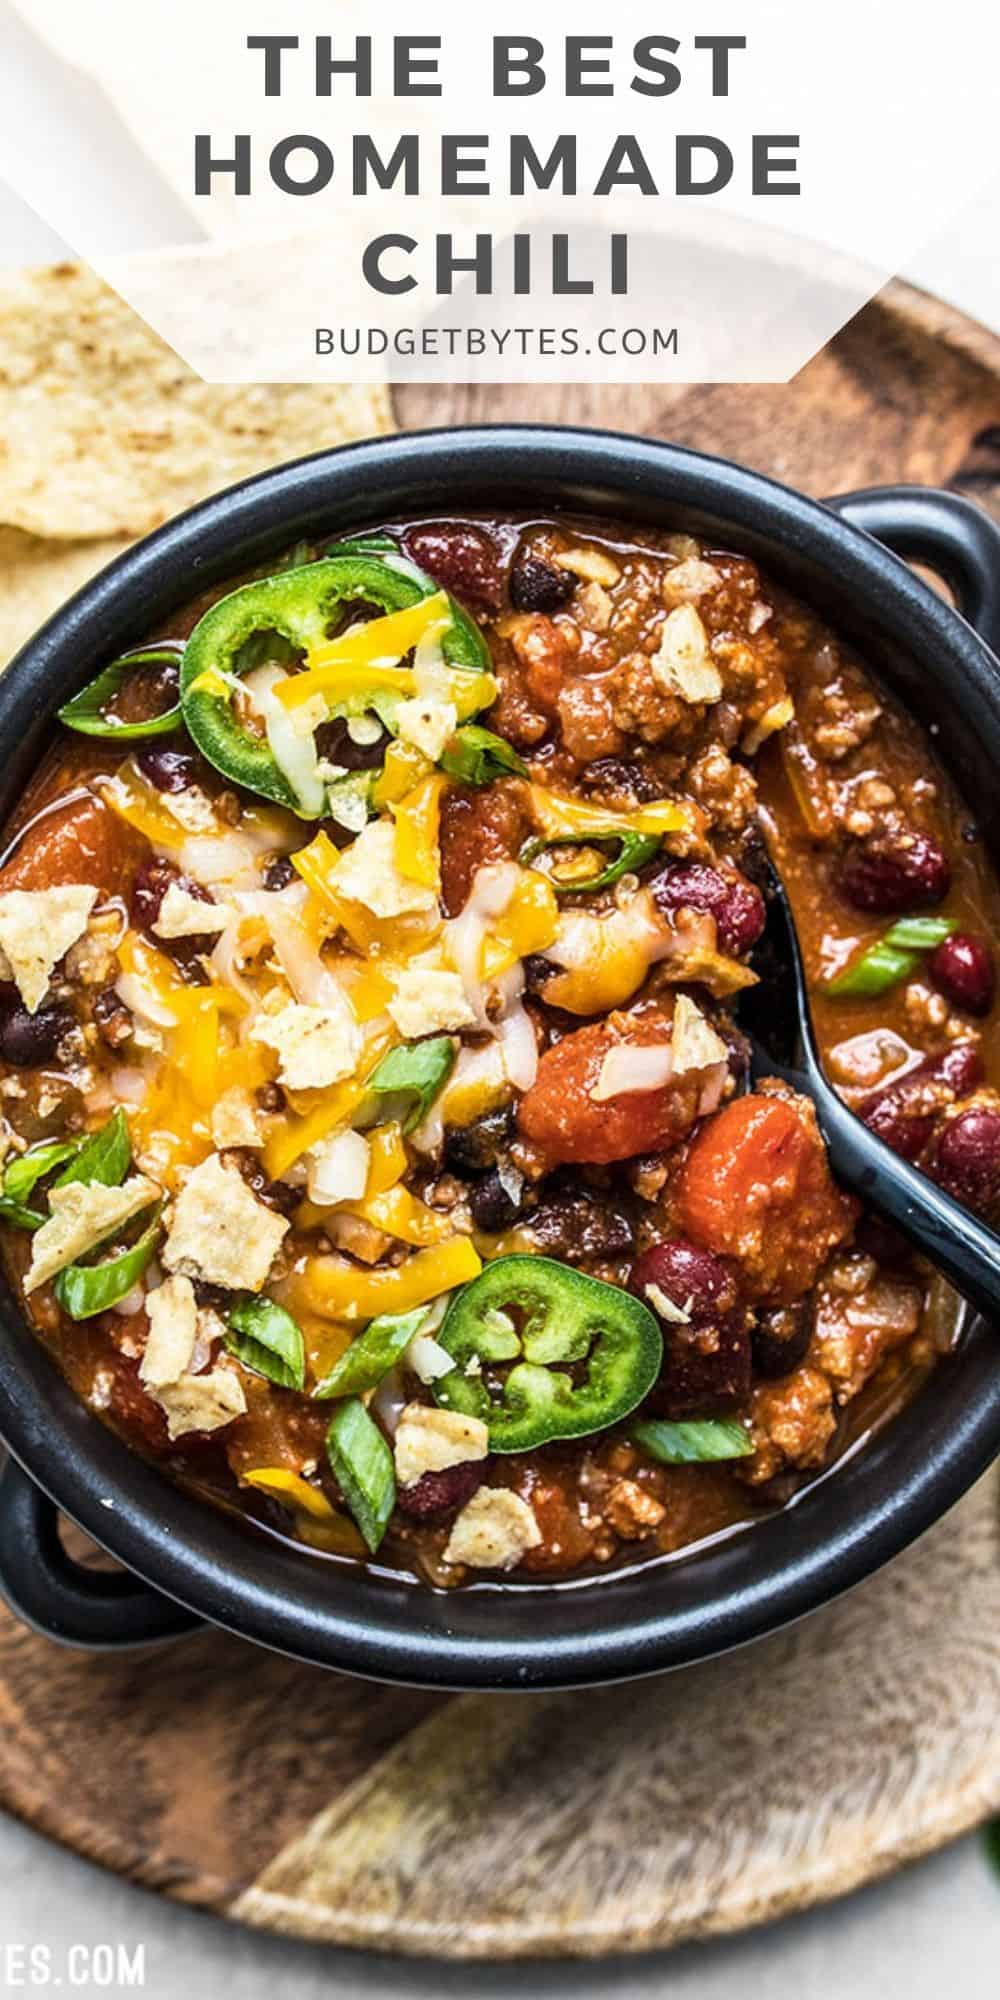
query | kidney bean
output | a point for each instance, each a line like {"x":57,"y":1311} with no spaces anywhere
{"x":439,"y":1493}
{"x":464,"y":559}
{"x":895,"y":872}
{"x":706,"y":1358}
{"x":150,"y":887}
{"x":540,"y":586}
{"x":962,"y":969}
{"x":26,"y":1040}
{"x":167,"y":770}
{"x":694,"y":1280}
{"x":491,"y":1206}
{"x":780,"y":1339}
{"x":736,"y":904}
{"x":131,"y":1407}
{"x":904,"y":1114}
{"x":967,"y":1157}
{"x":479,"y":827}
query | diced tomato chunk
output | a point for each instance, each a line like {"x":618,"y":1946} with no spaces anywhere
{"x":756,"y":1187}
{"x":478,"y":827}
{"x":561,"y":1117}
{"x":80,"y":841}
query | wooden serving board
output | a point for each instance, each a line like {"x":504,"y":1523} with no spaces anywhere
{"x":498,"y":1826}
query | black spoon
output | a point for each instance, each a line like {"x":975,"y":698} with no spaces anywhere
{"x":777,"y":1020}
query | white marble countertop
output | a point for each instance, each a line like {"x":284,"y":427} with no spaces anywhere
{"x":935,"y":1927}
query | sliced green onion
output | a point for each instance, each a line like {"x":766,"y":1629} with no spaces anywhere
{"x":363,"y":1468}
{"x":693,"y":1443}
{"x":18,"y":1216}
{"x":85,"y":713}
{"x":105,"y":1156}
{"x":920,"y":933}
{"x":86,"y":1289}
{"x":634,"y":850}
{"x":24,"y":1174}
{"x":266,"y":1338}
{"x":296,"y":557}
{"x":475,"y":756}
{"x":369,"y":1358}
{"x":364,"y":545}
{"x":892,"y":958}
{"x":99,"y":1156}
{"x":415,"y":1072}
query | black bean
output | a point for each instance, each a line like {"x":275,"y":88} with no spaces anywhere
{"x":279,"y":873}
{"x":167,"y":770}
{"x":473,"y":1149}
{"x":540,"y":586}
{"x":581,"y":1227}
{"x":780,"y":1339}
{"x":491,"y":1205}
{"x":335,"y":743}
{"x":27,"y":1040}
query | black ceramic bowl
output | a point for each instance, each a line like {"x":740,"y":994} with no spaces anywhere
{"x":184,"y":1559}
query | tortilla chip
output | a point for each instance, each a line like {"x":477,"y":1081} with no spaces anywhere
{"x":106,"y":432}
{"x":37,"y":576}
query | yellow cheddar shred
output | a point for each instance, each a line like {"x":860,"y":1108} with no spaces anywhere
{"x":398,"y":1213}
{"x":417,"y":818}
{"x":404,"y":767}
{"x":365,"y":662}
{"x":378,"y":644}
{"x":336,"y":1287}
{"x":554,"y":815}
{"x":292,"y":1487}
{"x":529,"y":923}
{"x":387,"y":1159}
{"x":319,"y":1524}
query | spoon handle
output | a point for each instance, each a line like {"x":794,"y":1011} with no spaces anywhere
{"x":962,"y":1247}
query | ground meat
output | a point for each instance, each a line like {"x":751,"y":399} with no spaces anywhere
{"x":840,"y":715}
{"x":587,"y":722}
{"x":725,"y":791}
{"x":640,"y":708}
{"x":546,"y":653}
{"x":855,"y":1330}
{"x":791,"y":1424}
{"x":567,"y":1538}
{"x":632,"y":1511}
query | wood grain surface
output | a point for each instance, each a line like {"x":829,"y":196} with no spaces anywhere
{"x":585,"y":1823}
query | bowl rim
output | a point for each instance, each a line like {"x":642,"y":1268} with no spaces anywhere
{"x":662,"y":1613}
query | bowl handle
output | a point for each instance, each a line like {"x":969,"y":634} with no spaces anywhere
{"x":947,"y":534}
{"x":109,"y":1609}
